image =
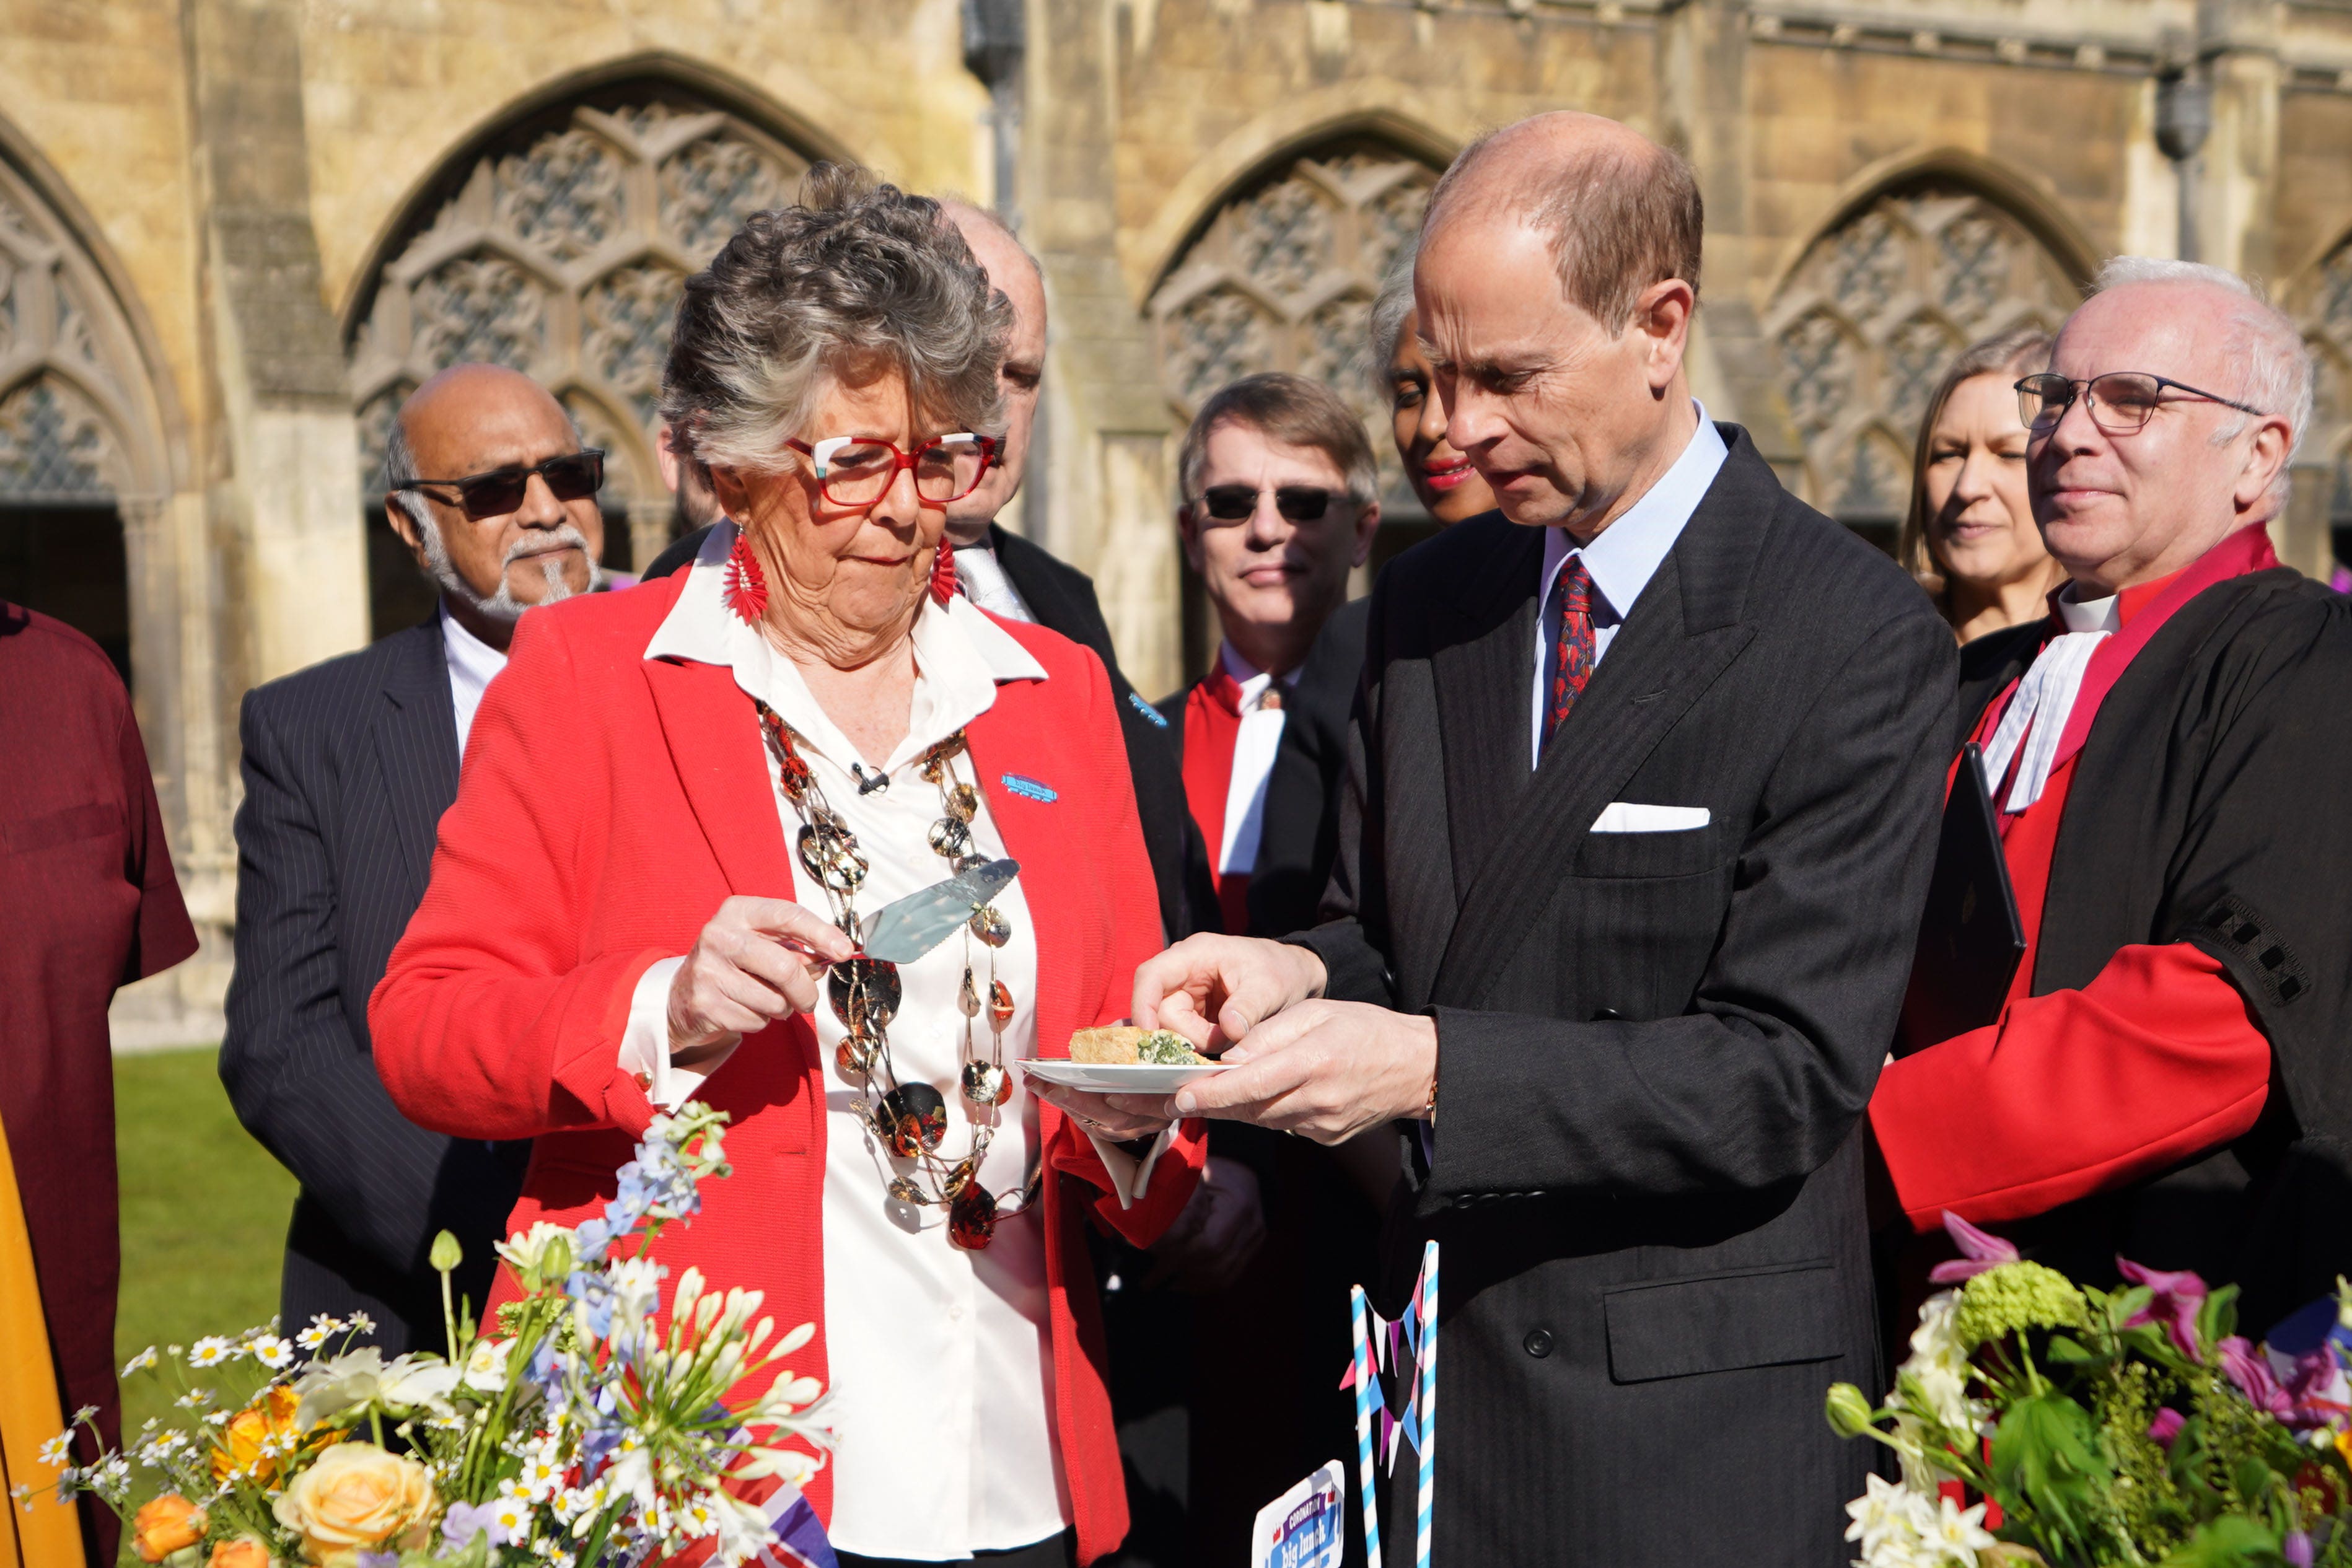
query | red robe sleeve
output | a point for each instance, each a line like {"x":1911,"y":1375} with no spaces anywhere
{"x":2157,"y":1060}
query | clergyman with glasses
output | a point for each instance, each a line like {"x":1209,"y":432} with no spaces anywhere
{"x":2166,"y":1079}
{"x":348,"y":767}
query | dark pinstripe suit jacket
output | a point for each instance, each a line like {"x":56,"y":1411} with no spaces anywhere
{"x":1653,"y":1048}
{"x":348,"y":767}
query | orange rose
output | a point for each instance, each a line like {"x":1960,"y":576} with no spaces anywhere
{"x":357,"y":1498}
{"x":166,"y":1525}
{"x":269,"y":1420}
{"x":245,"y":1552}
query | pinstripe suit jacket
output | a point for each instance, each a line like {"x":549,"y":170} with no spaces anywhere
{"x":1653,"y":1048}
{"x":348,"y":767}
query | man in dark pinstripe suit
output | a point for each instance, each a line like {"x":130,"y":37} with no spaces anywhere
{"x":348,"y":767}
{"x":1642,"y":784}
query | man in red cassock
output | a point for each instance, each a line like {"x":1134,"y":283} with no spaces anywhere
{"x":92,"y":903}
{"x":2167,"y":753}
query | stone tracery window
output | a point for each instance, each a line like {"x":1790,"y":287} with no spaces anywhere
{"x":1873,"y":312}
{"x":1282,"y":278}
{"x":2323,"y":305}
{"x":76,"y":452}
{"x":561,"y":251}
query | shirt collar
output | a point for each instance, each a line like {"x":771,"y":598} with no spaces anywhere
{"x":2114,"y":613}
{"x":1626,"y":554}
{"x":472,"y":658}
{"x":961,"y":658}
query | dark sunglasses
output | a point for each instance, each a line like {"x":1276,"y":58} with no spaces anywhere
{"x":1233,"y":502}
{"x":574,"y":477}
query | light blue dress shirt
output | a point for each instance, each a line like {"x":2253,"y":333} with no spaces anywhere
{"x":1621,"y":559}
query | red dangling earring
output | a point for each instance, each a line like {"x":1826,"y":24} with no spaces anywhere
{"x":746,"y":590}
{"x":943,"y":573}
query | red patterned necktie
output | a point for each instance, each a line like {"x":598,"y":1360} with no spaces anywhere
{"x":1571,"y":664}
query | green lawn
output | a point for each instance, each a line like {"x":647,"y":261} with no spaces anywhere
{"x":204,"y":1214}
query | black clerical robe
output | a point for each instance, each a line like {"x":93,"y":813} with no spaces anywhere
{"x":2205,"y":811}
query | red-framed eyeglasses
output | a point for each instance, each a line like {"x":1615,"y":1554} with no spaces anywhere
{"x":858,"y":470}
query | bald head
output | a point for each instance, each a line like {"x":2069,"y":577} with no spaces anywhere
{"x":493,"y":555}
{"x":1013,"y":272}
{"x":1618,"y":212}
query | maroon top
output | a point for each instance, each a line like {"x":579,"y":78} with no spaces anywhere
{"x":87,"y":903}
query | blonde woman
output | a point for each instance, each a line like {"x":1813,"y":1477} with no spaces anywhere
{"x":1970,"y":538}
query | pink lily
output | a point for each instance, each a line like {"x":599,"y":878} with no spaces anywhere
{"x":2251,"y":1374}
{"x":2178,"y":1297}
{"x":1979,"y":1252}
{"x":2166,"y":1426}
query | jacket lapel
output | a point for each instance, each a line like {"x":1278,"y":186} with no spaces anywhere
{"x":415,"y":737}
{"x":1012,"y":737}
{"x":1482,"y":668}
{"x":714,"y":743}
{"x":1682,"y":634}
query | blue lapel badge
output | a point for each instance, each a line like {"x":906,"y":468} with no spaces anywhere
{"x":1029,"y":787}
{"x":1147,"y":710}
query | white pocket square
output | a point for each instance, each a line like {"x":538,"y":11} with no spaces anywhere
{"x":1630,"y":817}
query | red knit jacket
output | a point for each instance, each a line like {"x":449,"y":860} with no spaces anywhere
{"x":608,"y":805}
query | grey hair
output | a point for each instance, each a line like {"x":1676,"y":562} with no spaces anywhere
{"x":856,"y":272}
{"x":2274,"y":372}
{"x":1391,"y":306}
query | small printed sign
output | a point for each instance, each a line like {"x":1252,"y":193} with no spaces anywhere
{"x":1306,"y":1527}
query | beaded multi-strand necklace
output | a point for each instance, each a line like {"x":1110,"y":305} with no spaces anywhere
{"x":910,"y":1117}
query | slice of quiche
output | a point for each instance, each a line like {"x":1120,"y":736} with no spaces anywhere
{"x":1118,"y":1045}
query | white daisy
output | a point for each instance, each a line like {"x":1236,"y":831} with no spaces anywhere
{"x":58,"y":1452}
{"x":322,"y":1329}
{"x":139,"y":1363}
{"x":194,"y":1400}
{"x":272,"y":1352}
{"x":210,"y":1351}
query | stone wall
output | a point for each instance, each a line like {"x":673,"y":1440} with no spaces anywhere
{"x":1210,"y":184}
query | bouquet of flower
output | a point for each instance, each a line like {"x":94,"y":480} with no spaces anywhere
{"x":2132,"y":1427}
{"x":574,"y":1430}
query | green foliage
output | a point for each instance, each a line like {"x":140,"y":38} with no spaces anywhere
{"x":2014,"y":1297}
{"x":2232,"y":1542}
{"x":2075,"y":1399}
{"x":2046,"y":1455}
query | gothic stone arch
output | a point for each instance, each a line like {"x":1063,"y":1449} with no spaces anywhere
{"x":84,"y":473}
{"x":1281,"y":277}
{"x":1873,"y":312}
{"x":559,"y":250}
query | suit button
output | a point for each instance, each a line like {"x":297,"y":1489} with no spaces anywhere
{"x":1464,"y":1201}
{"x":1608,"y":1015}
{"x":1538,"y":1342}
{"x":646,"y":1081}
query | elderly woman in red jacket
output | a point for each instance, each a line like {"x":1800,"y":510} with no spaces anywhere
{"x":679,"y":799}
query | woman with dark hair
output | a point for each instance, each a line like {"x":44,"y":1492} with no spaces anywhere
{"x":683,"y":804}
{"x":1970,"y":538}
{"x":1448,"y":486}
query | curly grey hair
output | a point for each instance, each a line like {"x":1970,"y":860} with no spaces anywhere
{"x":855,"y":272}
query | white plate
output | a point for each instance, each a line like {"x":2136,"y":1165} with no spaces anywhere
{"x":1118,"y":1078}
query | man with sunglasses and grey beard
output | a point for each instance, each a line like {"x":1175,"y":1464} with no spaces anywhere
{"x":2165,"y":1077}
{"x":348,"y":767}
